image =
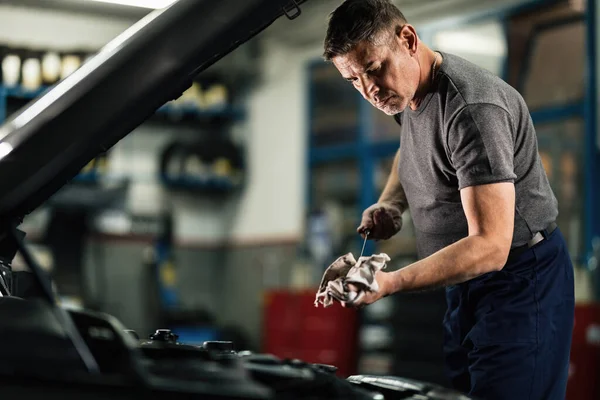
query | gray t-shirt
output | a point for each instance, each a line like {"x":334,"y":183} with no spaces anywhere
{"x":471,"y":129}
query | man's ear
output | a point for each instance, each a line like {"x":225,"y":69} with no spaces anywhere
{"x":407,"y":36}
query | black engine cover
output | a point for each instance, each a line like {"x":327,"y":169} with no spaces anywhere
{"x":37,"y":349}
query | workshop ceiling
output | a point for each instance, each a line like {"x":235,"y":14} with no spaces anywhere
{"x":83,"y":6}
{"x":309,"y":27}
{"x":305,"y":32}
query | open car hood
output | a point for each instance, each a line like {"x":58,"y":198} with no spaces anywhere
{"x":50,"y":140}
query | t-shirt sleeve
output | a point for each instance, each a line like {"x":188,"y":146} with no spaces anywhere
{"x":481,"y":145}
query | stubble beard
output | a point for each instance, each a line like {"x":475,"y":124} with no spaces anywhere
{"x":392,"y":107}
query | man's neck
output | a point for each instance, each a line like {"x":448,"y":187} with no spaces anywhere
{"x":430,"y":64}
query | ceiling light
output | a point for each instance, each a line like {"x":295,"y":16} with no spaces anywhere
{"x":140,"y":3}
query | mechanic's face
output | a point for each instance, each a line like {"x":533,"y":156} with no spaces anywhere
{"x":386,"y":74}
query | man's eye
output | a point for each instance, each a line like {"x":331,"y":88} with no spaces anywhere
{"x":373,"y":70}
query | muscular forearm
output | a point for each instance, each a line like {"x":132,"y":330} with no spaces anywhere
{"x":393,"y":192}
{"x":457,"y":263}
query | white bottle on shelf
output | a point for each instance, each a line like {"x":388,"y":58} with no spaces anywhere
{"x":51,"y":67}
{"x":70,"y":64}
{"x":32,"y":74}
{"x":11,"y":70}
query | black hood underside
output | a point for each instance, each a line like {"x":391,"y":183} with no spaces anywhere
{"x":47,"y":143}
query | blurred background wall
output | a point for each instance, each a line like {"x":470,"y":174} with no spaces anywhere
{"x":217,"y":216}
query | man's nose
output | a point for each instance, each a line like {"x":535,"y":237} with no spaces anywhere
{"x":370,"y":89}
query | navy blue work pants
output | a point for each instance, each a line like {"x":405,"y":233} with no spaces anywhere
{"x":508,"y":333}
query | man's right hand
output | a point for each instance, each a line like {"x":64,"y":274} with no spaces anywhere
{"x":382,"y":220}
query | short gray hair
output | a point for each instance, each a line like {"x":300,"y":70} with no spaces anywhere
{"x":355,"y":21}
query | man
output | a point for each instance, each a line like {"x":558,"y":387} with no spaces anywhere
{"x":469,"y":170}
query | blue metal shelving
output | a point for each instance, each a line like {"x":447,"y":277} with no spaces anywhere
{"x":17,"y":92}
{"x":365,"y":151}
{"x":375,"y":150}
{"x":21,"y":92}
{"x":558,"y":113}
{"x":583,"y":109}
{"x":169,"y":109}
{"x":327,"y":154}
{"x":223,"y":112}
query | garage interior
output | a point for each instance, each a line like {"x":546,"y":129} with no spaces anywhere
{"x":217,"y":216}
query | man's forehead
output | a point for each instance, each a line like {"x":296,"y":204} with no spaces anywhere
{"x":358,"y":58}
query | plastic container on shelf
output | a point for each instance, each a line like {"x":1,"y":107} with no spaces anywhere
{"x":51,"y":65}
{"x":11,"y":70}
{"x":70,"y":63}
{"x":31,"y":74}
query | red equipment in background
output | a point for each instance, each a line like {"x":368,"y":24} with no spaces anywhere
{"x":295,"y":328}
{"x":584,"y":369}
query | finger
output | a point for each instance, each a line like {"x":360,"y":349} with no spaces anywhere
{"x":381,"y":217}
{"x":375,"y":227}
{"x":359,"y":300}
{"x":356,"y":300}
{"x":349,"y":304}
{"x":363,"y":231}
{"x":386,"y":224}
{"x":366,"y":223}
{"x":353,"y":288}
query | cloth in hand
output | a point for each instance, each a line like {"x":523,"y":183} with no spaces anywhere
{"x":346,"y":270}
{"x":334,"y":273}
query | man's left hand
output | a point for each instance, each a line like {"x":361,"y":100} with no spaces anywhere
{"x":384,"y":280}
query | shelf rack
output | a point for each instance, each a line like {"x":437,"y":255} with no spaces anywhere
{"x":351,"y":137}
{"x":169,"y":112}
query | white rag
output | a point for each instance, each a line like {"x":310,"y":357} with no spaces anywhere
{"x":345,"y":270}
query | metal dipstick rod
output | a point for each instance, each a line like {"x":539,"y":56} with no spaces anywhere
{"x":364,"y":243}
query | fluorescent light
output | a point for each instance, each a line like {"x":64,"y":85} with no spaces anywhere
{"x":470,"y":43}
{"x":5,"y":149}
{"x":140,"y":3}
